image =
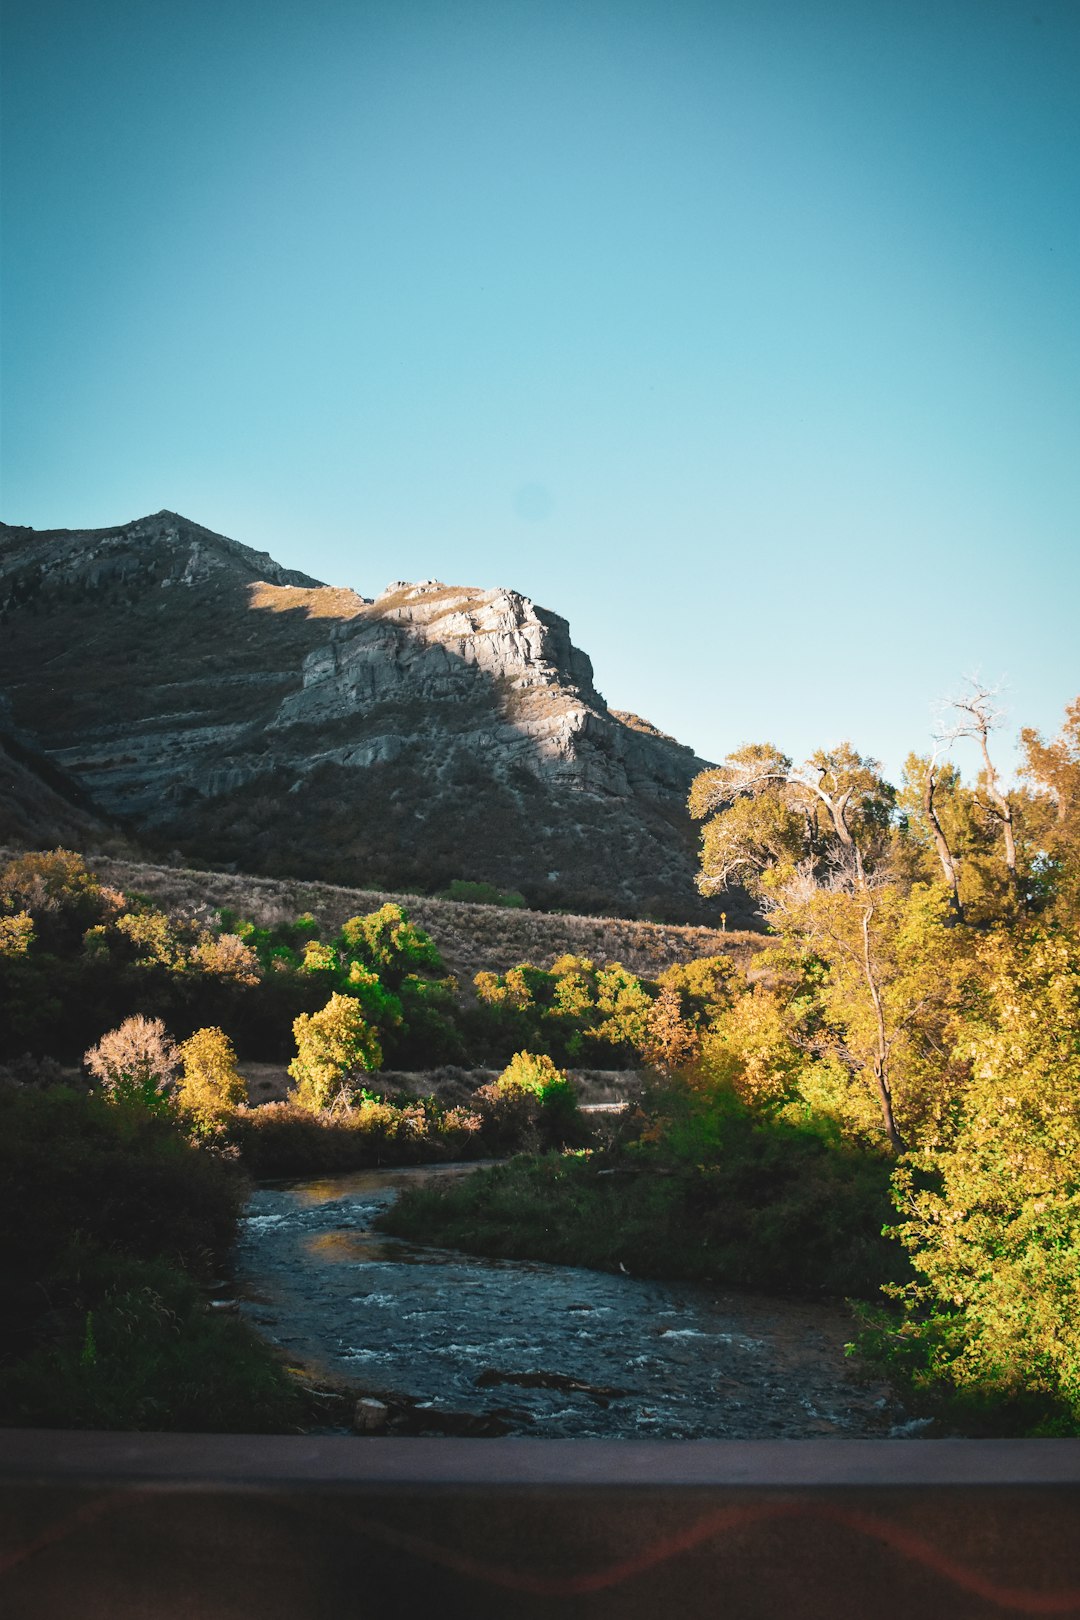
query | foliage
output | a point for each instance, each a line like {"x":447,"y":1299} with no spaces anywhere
{"x":481,"y":894}
{"x":992,"y":1208}
{"x":531,"y":1072}
{"x":334,"y":1047}
{"x":388,"y":944}
{"x":282,"y":1139}
{"x":1053,"y":812}
{"x":728,"y":1221}
{"x":211,"y":1085}
{"x":531,"y":1104}
{"x":109,"y":1218}
{"x":16,"y":933}
{"x":137,"y":1062}
{"x":574,"y":1011}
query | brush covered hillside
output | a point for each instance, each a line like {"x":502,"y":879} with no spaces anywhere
{"x":470,"y":937}
{"x":215,"y":702}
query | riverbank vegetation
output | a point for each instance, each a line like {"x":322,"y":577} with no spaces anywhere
{"x":903,"y":1053}
{"x":113,"y":1227}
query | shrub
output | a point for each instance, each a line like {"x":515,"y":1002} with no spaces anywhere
{"x":281,"y":1139}
{"x":531,"y":1072}
{"x":532,"y":1103}
{"x":482,"y":894}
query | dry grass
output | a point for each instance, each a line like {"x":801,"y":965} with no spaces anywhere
{"x":322,"y":602}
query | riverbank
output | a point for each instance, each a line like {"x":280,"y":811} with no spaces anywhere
{"x":782,"y":1212}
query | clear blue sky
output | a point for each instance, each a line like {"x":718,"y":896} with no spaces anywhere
{"x":744,"y":334}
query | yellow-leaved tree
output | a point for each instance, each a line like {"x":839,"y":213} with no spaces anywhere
{"x":211,"y":1086}
{"x":995,"y":1236}
{"x":335,"y":1047}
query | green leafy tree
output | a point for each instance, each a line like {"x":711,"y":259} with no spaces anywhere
{"x":335,"y":1047}
{"x":390,"y":945}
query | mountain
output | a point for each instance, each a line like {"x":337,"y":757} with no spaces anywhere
{"x":249,"y":715}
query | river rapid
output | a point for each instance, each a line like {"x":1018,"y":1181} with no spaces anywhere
{"x":469,"y":1345}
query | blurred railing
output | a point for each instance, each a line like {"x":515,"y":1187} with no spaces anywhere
{"x":173,"y":1527}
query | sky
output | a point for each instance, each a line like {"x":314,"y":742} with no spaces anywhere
{"x":743,"y":334}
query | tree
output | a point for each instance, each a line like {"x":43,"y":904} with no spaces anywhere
{"x":670,"y":1041}
{"x":813,"y":842}
{"x":992,"y":1210}
{"x":16,"y":934}
{"x":925,"y":778}
{"x":977,"y":715}
{"x":390,"y":945}
{"x":766,"y":817}
{"x":59,"y":893}
{"x":1053,"y":769}
{"x":137,"y":1061}
{"x":335,"y":1046}
{"x":211,"y":1085}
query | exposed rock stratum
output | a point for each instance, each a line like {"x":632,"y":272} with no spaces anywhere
{"x":245,"y":713}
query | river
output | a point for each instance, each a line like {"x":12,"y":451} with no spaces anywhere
{"x":468,"y":1345}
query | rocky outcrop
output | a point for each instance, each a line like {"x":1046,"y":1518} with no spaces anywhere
{"x":246,"y":713}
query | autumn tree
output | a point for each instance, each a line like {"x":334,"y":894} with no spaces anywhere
{"x":992,"y":1208}
{"x":670,"y":1040}
{"x":813,"y":843}
{"x":138,"y":1061}
{"x":211,"y":1085}
{"x":1053,"y":771}
{"x":766,"y":817}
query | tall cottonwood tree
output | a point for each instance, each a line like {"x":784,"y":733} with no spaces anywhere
{"x":976,"y":714}
{"x":813,"y":842}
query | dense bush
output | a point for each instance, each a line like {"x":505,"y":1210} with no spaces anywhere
{"x":991,"y":1213}
{"x":779,"y":1210}
{"x":281,"y":1139}
{"x":109,"y":1220}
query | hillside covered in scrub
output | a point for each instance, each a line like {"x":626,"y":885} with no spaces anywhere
{"x":470,"y":937}
{"x":211,"y":701}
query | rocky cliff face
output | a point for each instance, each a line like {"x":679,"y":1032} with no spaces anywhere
{"x":245,"y":713}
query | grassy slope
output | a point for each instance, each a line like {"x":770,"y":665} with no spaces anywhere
{"x":470,"y":937}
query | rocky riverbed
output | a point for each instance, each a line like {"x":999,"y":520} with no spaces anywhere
{"x":444,"y":1342}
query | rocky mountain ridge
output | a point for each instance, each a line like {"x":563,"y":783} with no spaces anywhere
{"x":246,"y":713}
